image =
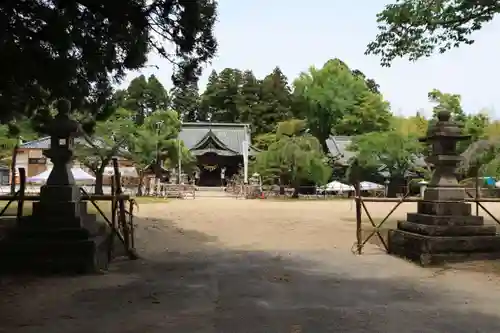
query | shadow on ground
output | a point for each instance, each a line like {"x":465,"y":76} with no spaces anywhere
{"x":194,"y":284}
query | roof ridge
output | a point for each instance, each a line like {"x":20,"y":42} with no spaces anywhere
{"x":206,"y":123}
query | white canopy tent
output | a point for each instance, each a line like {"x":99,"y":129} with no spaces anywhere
{"x":369,"y":186}
{"x":78,"y":174}
{"x":124,"y":171}
{"x":336,"y":186}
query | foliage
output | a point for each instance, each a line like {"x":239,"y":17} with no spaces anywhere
{"x":81,"y":48}
{"x":142,"y":97}
{"x":220,"y":99}
{"x":392,"y":152}
{"x":294,"y":158}
{"x":448,"y":102}
{"x":418,"y":28}
{"x":416,"y":124}
{"x":238,"y":96}
{"x":186,"y":101}
{"x":107,"y":141}
{"x":263,"y":141}
{"x":157,"y":134}
{"x":275,"y":103}
{"x":334,"y":101}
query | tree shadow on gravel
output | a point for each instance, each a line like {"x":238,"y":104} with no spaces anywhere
{"x":196,"y":285}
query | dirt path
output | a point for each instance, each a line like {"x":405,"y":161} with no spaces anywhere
{"x":238,"y":266}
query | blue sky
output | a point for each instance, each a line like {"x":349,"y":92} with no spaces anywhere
{"x":294,"y":35}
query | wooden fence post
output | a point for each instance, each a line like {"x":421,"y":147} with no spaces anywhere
{"x":21,"y":193}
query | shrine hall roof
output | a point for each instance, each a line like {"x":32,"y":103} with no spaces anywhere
{"x":231,"y":135}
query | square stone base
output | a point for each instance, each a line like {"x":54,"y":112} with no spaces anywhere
{"x":435,"y":250}
{"x":54,"y":251}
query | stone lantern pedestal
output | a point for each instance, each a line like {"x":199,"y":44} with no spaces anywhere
{"x":60,"y":235}
{"x":443,"y":228}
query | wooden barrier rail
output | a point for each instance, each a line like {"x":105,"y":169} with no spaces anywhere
{"x":360,"y":207}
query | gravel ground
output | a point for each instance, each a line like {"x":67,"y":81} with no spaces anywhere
{"x":251,"y":266}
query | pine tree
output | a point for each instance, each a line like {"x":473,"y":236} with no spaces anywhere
{"x":276,"y":101}
{"x":81,"y":48}
{"x":208,"y":97}
{"x":135,"y":100}
{"x":142,"y":97}
{"x":249,"y":99}
{"x":186,"y":101}
{"x":156,"y":96}
{"x":225,"y":101}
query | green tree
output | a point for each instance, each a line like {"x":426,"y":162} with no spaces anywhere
{"x":186,"y":101}
{"x":448,"y":102}
{"x":416,"y":124}
{"x":208,"y":98}
{"x":334,"y":101}
{"x":223,"y":102}
{"x":417,"y":28}
{"x":84,"y":47}
{"x":391,"y":152}
{"x":107,"y":140}
{"x":275,"y":102}
{"x":142,"y":97}
{"x":263,"y":141}
{"x":370,"y":83}
{"x":249,"y":101}
{"x":154,"y":141}
{"x":295,"y":157}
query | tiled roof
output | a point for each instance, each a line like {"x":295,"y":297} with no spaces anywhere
{"x":231,"y":135}
{"x":42,"y":143}
{"x":337,"y":145}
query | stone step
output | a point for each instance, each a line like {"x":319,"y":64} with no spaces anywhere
{"x":417,"y":243}
{"x":210,"y":188}
{"x":70,"y":208}
{"x":59,"y":234}
{"x":444,"y":208}
{"x":445,"y":220}
{"x":54,"y":256}
{"x":447,"y":230}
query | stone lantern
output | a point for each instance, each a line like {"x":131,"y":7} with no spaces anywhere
{"x":443,"y":228}
{"x":59,"y":235}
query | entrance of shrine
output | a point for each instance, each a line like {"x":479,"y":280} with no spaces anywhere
{"x":211,"y":165}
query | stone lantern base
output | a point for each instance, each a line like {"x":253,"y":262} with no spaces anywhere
{"x":443,"y":232}
{"x":60,"y":237}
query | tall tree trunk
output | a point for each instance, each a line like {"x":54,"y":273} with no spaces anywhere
{"x":141,"y":182}
{"x":98,"y":181}
{"x":157,"y":170}
{"x":392,"y":188}
{"x":13,"y":169}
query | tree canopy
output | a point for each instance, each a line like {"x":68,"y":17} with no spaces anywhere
{"x":418,"y":28}
{"x":336,"y":101}
{"x":293,"y":158}
{"x":76,"y":49}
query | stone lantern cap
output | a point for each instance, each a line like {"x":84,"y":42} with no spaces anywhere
{"x":444,"y":128}
{"x":62,"y":126}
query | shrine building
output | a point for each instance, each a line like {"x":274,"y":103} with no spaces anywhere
{"x":217,"y":146}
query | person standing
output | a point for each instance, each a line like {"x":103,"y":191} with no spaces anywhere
{"x":223,"y":176}
{"x":196,"y":177}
